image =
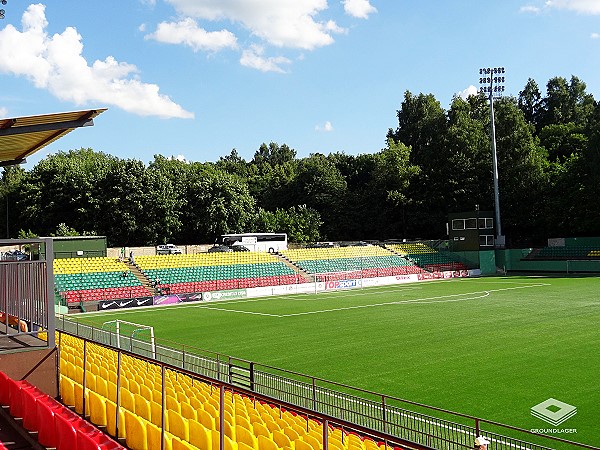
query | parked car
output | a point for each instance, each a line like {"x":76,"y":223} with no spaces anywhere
{"x":168,"y":249}
{"x":240,"y":248}
{"x":220,"y":248}
{"x":15,"y":255}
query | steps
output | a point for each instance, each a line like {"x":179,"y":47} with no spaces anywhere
{"x":135,"y":270}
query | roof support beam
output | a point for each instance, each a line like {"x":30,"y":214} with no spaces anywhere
{"x":14,"y":130}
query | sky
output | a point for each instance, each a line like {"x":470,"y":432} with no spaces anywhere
{"x":194,"y":79}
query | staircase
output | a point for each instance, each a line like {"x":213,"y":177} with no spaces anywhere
{"x":307,"y":276}
{"x":135,"y":270}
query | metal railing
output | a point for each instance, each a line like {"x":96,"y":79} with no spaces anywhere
{"x":27,"y":294}
{"x":404,"y":419}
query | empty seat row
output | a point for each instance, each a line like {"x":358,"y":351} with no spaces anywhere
{"x":56,"y":425}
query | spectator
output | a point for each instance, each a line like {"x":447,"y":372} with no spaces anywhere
{"x":481,"y":443}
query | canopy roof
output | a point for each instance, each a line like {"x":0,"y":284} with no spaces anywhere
{"x":23,"y":136}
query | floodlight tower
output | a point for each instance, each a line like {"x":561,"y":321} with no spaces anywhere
{"x":3,"y":2}
{"x":491,"y":80}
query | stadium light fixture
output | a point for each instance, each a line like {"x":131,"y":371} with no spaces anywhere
{"x":2,"y":12}
{"x":491,"y":80}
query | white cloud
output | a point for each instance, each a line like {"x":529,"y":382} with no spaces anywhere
{"x":529,"y":9}
{"x":580,"y":6}
{"x":188,"y":33}
{"x":282,"y":23}
{"x":253,"y":58}
{"x":326,"y":127}
{"x":595,"y":35}
{"x":359,"y":8}
{"x":55,"y":63}
{"x":471,"y":90}
{"x":3,"y":112}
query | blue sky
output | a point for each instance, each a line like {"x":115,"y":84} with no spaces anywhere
{"x":197,"y":78}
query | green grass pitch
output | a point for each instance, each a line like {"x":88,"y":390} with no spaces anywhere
{"x":487,"y":347}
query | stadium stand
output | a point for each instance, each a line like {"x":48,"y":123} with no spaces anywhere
{"x":191,"y":416}
{"x":426,"y":257}
{"x":565,"y":253}
{"x":55,"y":424}
{"x":93,"y":279}
{"x":358,"y":262}
{"x":203,"y":272}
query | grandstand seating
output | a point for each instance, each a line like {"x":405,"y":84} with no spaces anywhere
{"x":565,"y":252}
{"x":192,"y":414}
{"x":203,"y":272}
{"x":350,"y":262}
{"x":426,"y":257}
{"x":56,"y":425}
{"x":93,"y":279}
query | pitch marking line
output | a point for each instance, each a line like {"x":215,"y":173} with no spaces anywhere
{"x":428,"y":300}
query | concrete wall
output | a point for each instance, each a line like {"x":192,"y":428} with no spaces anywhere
{"x":39,"y":367}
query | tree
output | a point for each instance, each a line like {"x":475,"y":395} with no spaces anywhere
{"x":530,"y":102}
{"x":10,"y":188}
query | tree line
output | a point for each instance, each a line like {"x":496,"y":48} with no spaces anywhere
{"x":434,"y":162}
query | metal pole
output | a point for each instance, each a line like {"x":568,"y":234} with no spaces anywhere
{"x":499,"y":237}
{"x":489,"y":76}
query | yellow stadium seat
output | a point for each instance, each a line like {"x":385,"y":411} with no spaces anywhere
{"x":136,"y":435}
{"x":188,"y":411}
{"x":78,"y":391}
{"x":265,"y":443}
{"x":312,"y":440}
{"x":156,"y":414}
{"x":244,"y":435}
{"x":154,"y":436}
{"x":146,"y":392}
{"x":299,"y":444}
{"x":90,"y":381}
{"x":173,"y":404}
{"x":200,"y":436}
{"x":127,"y":400}
{"x":281,"y":439}
{"x":142,"y":407}
{"x":261,"y":430}
{"x":112,"y":391}
{"x":178,"y":444}
{"x":178,"y":425}
{"x":97,"y":409}
{"x":111,"y":419}
{"x":101,"y":387}
{"x":291,"y":433}
{"x":206,"y":419}
{"x":67,"y":392}
{"x":243,"y":421}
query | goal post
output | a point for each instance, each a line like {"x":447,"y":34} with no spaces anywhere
{"x":348,"y":279}
{"x":132,"y":336}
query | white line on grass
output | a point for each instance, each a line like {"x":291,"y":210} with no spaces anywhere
{"x":428,"y":300}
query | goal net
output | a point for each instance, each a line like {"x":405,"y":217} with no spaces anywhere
{"x":135,"y":337}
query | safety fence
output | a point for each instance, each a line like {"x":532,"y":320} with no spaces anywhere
{"x":406,"y":420}
{"x":26,"y":295}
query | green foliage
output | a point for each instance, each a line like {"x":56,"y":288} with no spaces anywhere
{"x":435,"y":161}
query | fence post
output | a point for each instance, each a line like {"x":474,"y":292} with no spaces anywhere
{"x":252,"y":376}
{"x":117,"y":408}
{"x":477,"y":427}
{"x":222,"y":417}
{"x":163,"y":408}
{"x":314,"y":394}
{"x":183,"y":357}
{"x":384,"y":414}
{"x":84,"y":375}
{"x":325,"y":434}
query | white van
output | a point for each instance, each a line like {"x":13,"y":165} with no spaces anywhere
{"x":168,"y":249}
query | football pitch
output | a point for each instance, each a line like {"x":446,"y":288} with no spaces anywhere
{"x":487,"y":347}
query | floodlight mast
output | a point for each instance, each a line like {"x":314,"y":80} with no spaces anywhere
{"x":491,"y":80}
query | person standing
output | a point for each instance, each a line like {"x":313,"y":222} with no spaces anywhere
{"x":481,"y":443}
